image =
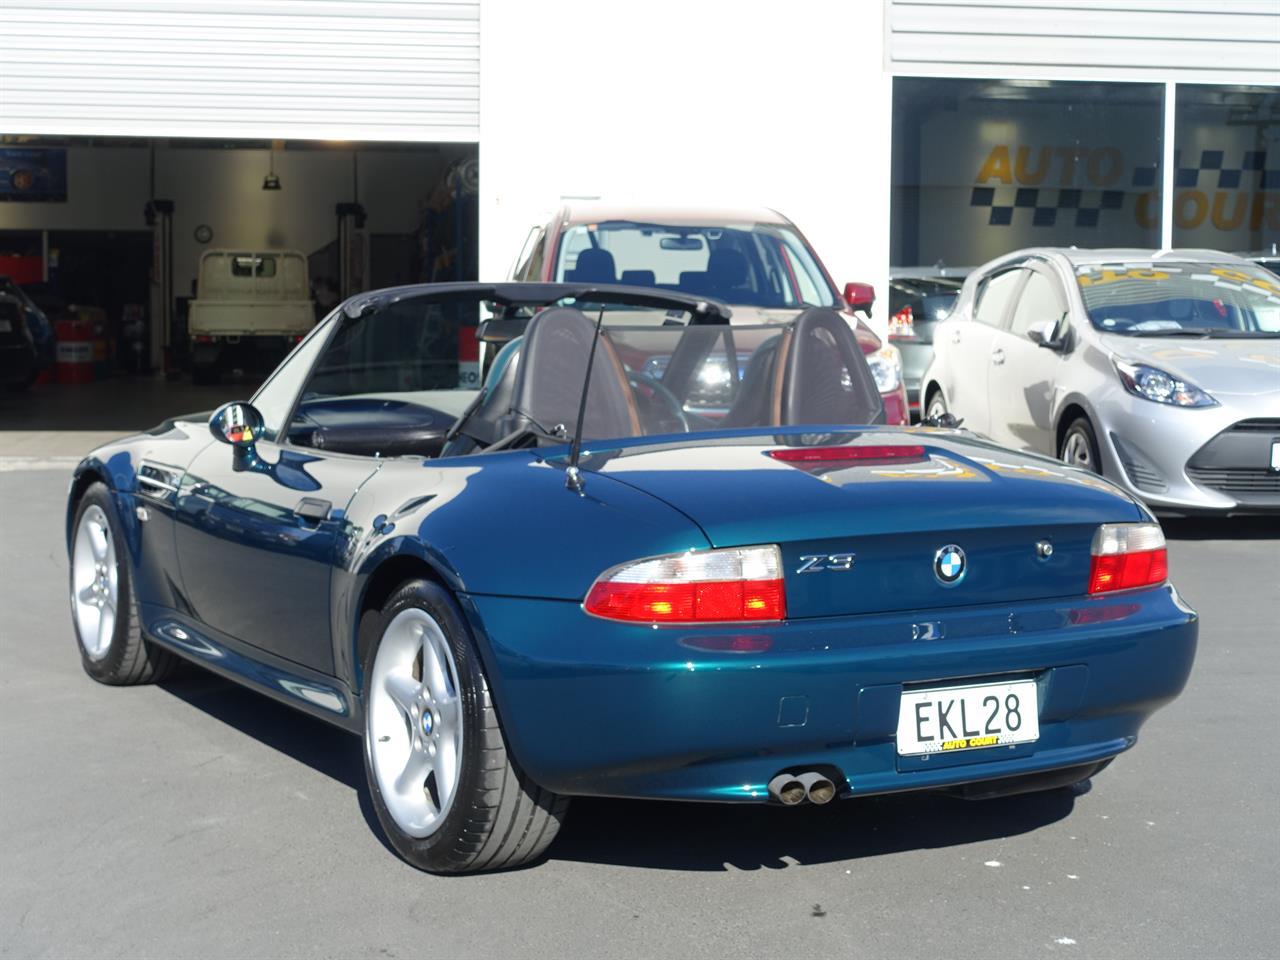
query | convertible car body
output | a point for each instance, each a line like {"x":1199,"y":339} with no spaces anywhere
{"x":578,"y":580}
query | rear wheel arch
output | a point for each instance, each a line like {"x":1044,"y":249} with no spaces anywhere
{"x":385,"y":579}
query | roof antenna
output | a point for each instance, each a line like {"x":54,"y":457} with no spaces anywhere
{"x":572,"y":475}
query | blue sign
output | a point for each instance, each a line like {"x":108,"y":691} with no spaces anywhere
{"x":33,"y":174}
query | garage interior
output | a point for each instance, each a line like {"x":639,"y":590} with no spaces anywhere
{"x":107,"y":233}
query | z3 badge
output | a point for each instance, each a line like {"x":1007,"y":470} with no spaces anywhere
{"x":812,"y":563}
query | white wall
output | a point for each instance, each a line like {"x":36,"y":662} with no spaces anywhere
{"x":712,"y":102}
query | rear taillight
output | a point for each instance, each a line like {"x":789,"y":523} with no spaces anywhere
{"x":902,"y":325}
{"x":703,"y":586}
{"x":1128,"y":555}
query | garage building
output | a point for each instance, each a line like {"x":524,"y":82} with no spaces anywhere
{"x":396,"y":141}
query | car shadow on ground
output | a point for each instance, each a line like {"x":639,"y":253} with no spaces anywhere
{"x":711,"y":837}
{"x":663,"y":834}
{"x":1221,"y":528}
{"x":321,"y":746}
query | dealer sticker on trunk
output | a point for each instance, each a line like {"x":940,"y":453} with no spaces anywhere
{"x":946,"y":719}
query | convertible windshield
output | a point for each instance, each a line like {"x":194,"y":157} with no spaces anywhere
{"x":385,"y":381}
{"x":1181,"y":299}
{"x":748,"y":264}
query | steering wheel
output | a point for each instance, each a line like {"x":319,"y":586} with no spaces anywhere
{"x":659,"y":407}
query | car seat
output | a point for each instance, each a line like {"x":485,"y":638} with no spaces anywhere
{"x":594,"y":265}
{"x":536,"y":380}
{"x":727,"y":274}
{"x":812,"y":372}
{"x":639,"y":278}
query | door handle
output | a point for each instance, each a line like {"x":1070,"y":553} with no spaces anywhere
{"x":313,"y":509}
{"x":997,"y":356}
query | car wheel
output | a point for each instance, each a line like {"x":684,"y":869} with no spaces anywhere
{"x":937,"y":405}
{"x":447,"y":793}
{"x":104,"y":610}
{"x":1080,"y":446}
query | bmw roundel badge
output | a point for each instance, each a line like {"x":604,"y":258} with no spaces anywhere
{"x":949,"y":565}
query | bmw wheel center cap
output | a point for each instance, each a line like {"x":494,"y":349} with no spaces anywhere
{"x":949,"y":565}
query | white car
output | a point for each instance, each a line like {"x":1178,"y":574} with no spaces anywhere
{"x":1158,"y":369}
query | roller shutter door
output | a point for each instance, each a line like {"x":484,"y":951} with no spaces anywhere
{"x":1185,"y":40}
{"x":298,"y":69}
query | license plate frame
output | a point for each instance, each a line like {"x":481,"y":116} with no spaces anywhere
{"x":1275,"y":455}
{"x":927,"y":714}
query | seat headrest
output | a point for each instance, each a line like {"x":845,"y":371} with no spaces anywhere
{"x":553,"y":363}
{"x":594,"y":266}
{"x":639,"y":278}
{"x":826,"y":378}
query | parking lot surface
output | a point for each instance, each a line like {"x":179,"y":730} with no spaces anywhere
{"x":197,"y":819}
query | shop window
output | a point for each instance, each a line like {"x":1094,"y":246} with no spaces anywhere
{"x":984,"y":167}
{"x":1227,"y":168}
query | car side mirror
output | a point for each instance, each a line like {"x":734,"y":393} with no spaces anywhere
{"x":859,"y":297}
{"x":1042,"y":335}
{"x":239,"y":424}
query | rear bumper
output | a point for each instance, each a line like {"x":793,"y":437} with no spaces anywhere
{"x":591,"y":707}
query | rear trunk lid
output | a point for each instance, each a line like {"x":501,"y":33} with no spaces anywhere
{"x":872,"y":532}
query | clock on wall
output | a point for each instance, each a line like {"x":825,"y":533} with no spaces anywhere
{"x":204,"y":233}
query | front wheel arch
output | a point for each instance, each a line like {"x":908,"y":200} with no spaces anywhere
{"x":930,"y":391}
{"x":1070,"y":413}
{"x":80,"y":485}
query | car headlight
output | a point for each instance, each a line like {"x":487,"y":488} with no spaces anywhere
{"x":886,"y":367}
{"x":1152,"y":383}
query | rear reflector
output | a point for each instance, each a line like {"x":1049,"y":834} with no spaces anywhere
{"x":1127,"y":556}
{"x":708,"y":586}
{"x":828,"y":454}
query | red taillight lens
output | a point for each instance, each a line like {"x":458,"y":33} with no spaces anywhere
{"x":829,"y":454}
{"x":902,"y":325}
{"x":1126,"y":556}
{"x":708,"y":586}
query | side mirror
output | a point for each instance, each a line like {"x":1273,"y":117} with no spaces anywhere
{"x":860,"y":296}
{"x":239,"y":424}
{"x":1042,"y":335}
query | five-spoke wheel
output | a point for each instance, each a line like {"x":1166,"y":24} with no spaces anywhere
{"x":414,"y":729}
{"x":449,"y":796}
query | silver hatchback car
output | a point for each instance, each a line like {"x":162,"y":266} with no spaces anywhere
{"x":1158,"y":369}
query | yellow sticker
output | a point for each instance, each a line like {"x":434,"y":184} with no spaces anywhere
{"x":970,"y":743}
{"x":1111,"y":276}
{"x":1239,"y":276}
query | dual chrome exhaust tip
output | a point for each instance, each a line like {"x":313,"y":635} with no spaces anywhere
{"x":790,"y":789}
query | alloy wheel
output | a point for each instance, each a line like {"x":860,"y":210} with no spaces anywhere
{"x":413,"y":727}
{"x":1076,"y":451}
{"x":94,"y":583}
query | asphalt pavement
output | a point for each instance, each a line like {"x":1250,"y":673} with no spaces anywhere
{"x":195,"y":819}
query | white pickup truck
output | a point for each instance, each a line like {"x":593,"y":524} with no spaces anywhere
{"x":248,"y":304}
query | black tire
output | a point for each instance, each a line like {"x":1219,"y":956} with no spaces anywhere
{"x":1080,"y":443}
{"x":935,"y":404}
{"x":130,"y":658}
{"x":499,"y":818}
